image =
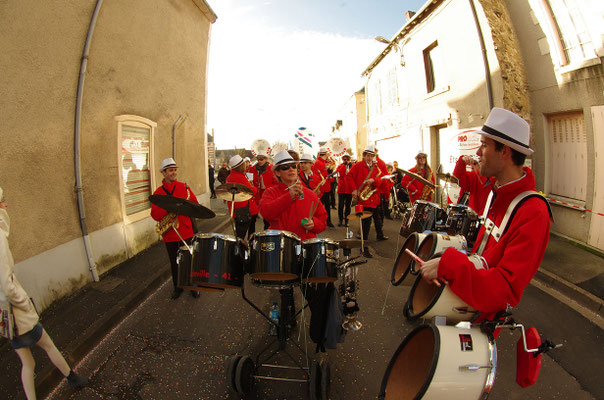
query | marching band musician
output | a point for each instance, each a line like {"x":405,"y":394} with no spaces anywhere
{"x":172,"y":187}
{"x":507,"y":257}
{"x":307,"y":177}
{"x":287,"y":204}
{"x":364,"y":174}
{"x":320,"y":167}
{"x":384,"y":189}
{"x":415,"y":187}
{"x":478,"y":186}
{"x":344,"y":190}
{"x":245,"y":225}
{"x":262,"y":178}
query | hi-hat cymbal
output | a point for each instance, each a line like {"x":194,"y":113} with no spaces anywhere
{"x":363,"y":215}
{"x":182,"y":207}
{"x":448,"y":178}
{"x":239,"y":190}
{"x":419,"y":178}
{"x":349,"y":243}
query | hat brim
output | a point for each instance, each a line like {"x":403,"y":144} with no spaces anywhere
{"x":274,"y":167}
{"x":235,"y":166}
{"x":168,"y":166}
{"x":518,"y":147}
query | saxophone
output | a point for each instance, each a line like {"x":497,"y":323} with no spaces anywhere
{"x":427,"y":191}
{"x":168,"y":221}
{"x":368,"y":190}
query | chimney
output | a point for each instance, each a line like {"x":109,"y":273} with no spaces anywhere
{"x":409,"y":15}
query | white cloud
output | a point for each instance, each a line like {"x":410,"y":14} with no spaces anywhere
{"x":266,"y":81}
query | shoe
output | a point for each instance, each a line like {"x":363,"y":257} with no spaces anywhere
{"x":366,"y":253}
{"x":388,"y":217}
{"x":340,"y":223}
{"x":176,"y":294}
{"x":333,"y":208}
{"x":346,"y":223}
{"x":329,"y":224}
{"x":194,"y":294}
{"x":76,"y":381}
{"x":358,"y":235}
{"x":382,"y":238}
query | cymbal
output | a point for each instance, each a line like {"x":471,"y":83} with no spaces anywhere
{"x":349,"y":243}
{"x":227,"y":190}
{"x":448,"y":178}
{"x":419,"y":178}
{"x":182,"y":207}
{"x":363,"y":215}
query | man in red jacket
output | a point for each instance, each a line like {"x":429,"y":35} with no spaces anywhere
{"x":365,"y":174}
{"x":308,"y":177}
{"x":172,"y":187}
{"x":245,"y":211}
{"x":320,"y":167}
{"x":507,"y":256}
{"x":472,"y":182}
{"x":344,"y":190}
{"x":262,"y":178}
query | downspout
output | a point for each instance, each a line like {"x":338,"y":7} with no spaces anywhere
{"x":487,"y":71}
{"x":174,"y":135}
{"x":77,"y":134}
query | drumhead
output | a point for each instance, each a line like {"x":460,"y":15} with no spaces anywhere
{"x":422,"y":298}
{"x":275,"y":232}
{"x":211,"y":235}
{"x":320,"y":240}
{"x":404,"y":263}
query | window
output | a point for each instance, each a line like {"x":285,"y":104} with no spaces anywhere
{"x":567,"y":32}
{"x":568,"y":155}
{"x":135,"y":158}
{"x":433,"y":67}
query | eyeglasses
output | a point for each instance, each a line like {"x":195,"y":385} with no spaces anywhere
{"x":286,"y":167}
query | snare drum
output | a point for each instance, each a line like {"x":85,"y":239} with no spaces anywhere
{"x":424,"y":216}
{"x":183,"y":276}
{"x":462,"y":220}
{"x":404,"y":263}
{"x":217,"y":261}
{"x":427,"y":300}
{"x":320,"y":260}
{"x":275,"y":256}
{"x":441,"y":362}
{"x":436,"y":242}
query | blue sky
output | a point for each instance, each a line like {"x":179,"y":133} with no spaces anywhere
{"x":276,"y":65}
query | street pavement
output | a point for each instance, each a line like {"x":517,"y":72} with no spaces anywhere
{"x":167,"y":349}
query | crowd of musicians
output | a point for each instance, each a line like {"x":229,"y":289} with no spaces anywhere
{"x":295,"y":194}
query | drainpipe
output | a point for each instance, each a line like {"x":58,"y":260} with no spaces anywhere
{"x":180,"y":118}
{"x":487,"y":71}
{"x":77,"y":155}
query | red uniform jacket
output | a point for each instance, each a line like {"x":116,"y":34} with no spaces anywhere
{"x":313,"y":180}
{"x":239,"y":177}
{"x":512,"y":261}
{"x":357,"y":175}
{"x":343,"y":185}
{"x":286,"y":214}
{"x":320,"y":167}
{"x":385,"y":188}
{"x":414,"y":186}
{"x":268,"y":179}
{"x":185,"y":228}
{"x":472,"y":182}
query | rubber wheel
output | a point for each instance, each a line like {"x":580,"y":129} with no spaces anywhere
{"x":325,"y":379}
{"x":231,"y":369}
{"x":244,"y":375}
{"x":315,"y":381}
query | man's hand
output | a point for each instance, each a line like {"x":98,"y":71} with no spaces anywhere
{"x":355,"y":194}
{"x":370,"y":181}
{"x":295,"y":191}
{"x":309,"y":225}
{"x":429,"y":271}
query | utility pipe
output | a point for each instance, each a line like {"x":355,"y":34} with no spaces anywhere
{"x":487,"y":70}
{"x":77,"y":134}
{"x":174,"y":135}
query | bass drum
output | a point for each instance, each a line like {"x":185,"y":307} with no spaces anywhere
{"x":441,"y":362}
{"x":424,"y":216}
{"x":276,"y":256}
{"x":183,"y":275}
{"x":404,"y":263}
{"x":320,"y":260}
{"x":217,"y":261}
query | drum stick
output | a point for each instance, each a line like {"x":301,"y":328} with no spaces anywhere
{"x":414,"y":256}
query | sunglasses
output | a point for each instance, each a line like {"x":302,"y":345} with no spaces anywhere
{"x":286,"y":167}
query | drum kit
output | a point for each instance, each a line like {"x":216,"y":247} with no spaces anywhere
{"x":273,"y":259}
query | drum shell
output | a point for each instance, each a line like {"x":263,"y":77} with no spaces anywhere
{"x":275,"y":256}
{"x":320,"y":260}
{"x":404,"y":263}
{"x":183,"y":275}
{"x":437,"y":242}
{"x":426,"y":300}
{"x":462,"y":220}
{"x":424,"y":216}
{"x":218,"y":261}
{"x":430,"y":364}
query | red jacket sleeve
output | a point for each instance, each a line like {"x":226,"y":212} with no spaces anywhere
{"x":319,"y":218}
{"x":156,"y":212}
{"x":273,"y":202}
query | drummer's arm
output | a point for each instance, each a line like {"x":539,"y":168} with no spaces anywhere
{"x":274,"y":202}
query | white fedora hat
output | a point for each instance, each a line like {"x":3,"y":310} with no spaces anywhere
{"x":505,"y":127}
{"x":345,"y":154}
{"x":235,"y":161}
{"x":369,"y":149}
{"x":322,"y":150}
{"x":283,"y":157}
{"x":307,"y":158}
{"x":168,"y":163}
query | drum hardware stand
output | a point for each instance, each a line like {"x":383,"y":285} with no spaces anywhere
{"x":349,"y":287}
{"x":185,"y":243}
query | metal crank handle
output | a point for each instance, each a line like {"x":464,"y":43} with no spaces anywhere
{"x":473,"y":367}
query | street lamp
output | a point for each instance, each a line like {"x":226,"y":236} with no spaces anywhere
{"x":382,"y":39}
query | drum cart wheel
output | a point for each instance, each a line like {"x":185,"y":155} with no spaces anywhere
{"x":244,"y":375}
{"x":230,"y":373}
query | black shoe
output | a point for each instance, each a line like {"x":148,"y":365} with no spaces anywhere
{"x":388,"y":217}
{"x":76,"y":381}
{"x":176,"y":294}
{"x":194,"y":294}
{"x":340,"y":223}
{"x":366,"y":253}
{"x":329,"y":224}
{"x":346,"y":223}
{"x":382,"y":238}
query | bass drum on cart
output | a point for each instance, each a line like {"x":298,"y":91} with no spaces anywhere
{"x":183,"y":276}
{"x":424,"y":216}
{"x":320,"y":260}
{"x":217,"y":261}
{"x":275,"y":256}
{"x":441,"y":362}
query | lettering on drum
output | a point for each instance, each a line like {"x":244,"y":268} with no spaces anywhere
{"x":200,"y":274}
{"x":466,"y":342}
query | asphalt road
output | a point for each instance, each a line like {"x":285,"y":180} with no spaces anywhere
{"x":178,"y":349}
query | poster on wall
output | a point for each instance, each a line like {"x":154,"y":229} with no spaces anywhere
{"x":453,"y":144}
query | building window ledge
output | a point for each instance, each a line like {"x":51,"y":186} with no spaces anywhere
{"x":436,"y":92}
{"x":578,"y":65}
